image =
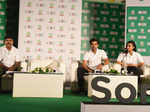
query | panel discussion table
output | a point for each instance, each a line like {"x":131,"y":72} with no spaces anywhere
{"x":115,"y":80}
{"x":27,"y":84}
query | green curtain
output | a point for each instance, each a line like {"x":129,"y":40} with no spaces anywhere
{"x":2,"y":20}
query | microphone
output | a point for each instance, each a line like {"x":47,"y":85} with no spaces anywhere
{"x":125,"y":50}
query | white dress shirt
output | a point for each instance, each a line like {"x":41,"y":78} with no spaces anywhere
{"x":135,"y":58}
{"x":9,"y":57}
{"x":95,"y":59}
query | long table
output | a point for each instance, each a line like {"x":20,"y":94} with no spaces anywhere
{"x":38,"y":85}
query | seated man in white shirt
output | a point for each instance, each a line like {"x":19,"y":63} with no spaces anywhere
{"x":9,"y":56}
{"x":92,"y":61}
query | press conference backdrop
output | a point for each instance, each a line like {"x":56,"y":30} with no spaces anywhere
{"x":107,"y":1}
{"x":138,"y":25}
{"x":50,"y":29}
{"x":106,"y":22}
{"x":3,"y":4}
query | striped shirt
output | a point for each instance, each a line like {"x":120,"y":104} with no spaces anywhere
{"x":95,"y":59}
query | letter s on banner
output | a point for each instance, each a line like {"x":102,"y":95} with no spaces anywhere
{"x":98,"y":88}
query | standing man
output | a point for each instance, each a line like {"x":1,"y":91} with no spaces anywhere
{"x":9,"y":56}
{"x":92,"y":61}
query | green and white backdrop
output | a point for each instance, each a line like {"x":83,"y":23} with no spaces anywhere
{"x":106,"y":22}
{"x":54,"y":29}
{"x":50,"y":29}
{"x":62,"y":28}
{"x":138,"y":26}
{"x":2,"y":20}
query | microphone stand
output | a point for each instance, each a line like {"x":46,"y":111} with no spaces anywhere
{"x":125,"y":67}
{"x":124,"y":61}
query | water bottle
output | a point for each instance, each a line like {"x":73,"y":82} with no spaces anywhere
{"x":28,"y":61}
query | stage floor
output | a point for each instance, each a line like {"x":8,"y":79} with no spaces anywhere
{"x":69,"y":103}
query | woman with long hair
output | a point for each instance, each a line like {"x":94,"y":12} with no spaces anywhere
{"x":131,"y":59}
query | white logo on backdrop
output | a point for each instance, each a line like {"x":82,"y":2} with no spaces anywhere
{"x":50,"y":29}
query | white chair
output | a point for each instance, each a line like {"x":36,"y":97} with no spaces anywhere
{"x":74,"y":66}
{"x":146,"y":70}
